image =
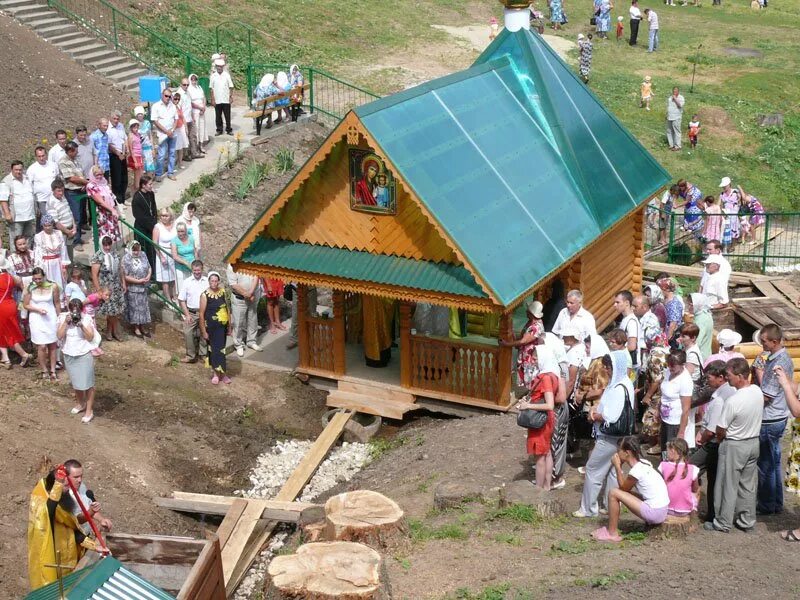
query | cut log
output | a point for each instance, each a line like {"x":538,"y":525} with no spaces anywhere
{"x":327,"y":571}
{"x":367,"y":517}
{"x":522,"y":491}
{"x":675,"y":527}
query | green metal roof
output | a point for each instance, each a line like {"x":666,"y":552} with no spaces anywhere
{"x":363,"y":266}
{"x":516,"y":159}
{"x":107,"y":579}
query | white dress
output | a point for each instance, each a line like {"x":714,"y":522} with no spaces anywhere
{"x":50,"y":253}
{"x":165,"y":273}
{"x":43,"y":327}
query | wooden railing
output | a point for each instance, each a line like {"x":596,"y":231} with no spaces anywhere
{"x":320,"y":343}
{"x":457,"y":368}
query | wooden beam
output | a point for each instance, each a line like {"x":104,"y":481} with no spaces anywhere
{"x":737,"y":277}
{"x":405,"y":343}
{"x":287,"y":512}
{"x":237,"y":541}
{"x":339,"y":349}
{"x":232,"y":516}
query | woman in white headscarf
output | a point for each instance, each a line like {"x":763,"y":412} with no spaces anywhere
{"x":283,"y":85}
{"x":265,"y":88}
{"x":599,"y":468}
{"x":653,"y":292}
{"x":198,"y":99}
{"x":135,"y":280}
{"x":698,"y":306}
{"x":542,"y":396}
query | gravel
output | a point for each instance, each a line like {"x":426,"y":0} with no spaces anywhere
{"x":271,"y":472}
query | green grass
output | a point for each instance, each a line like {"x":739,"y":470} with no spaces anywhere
{"x":607,"y":580}
{"x":378,"y":447}
{"x":517,"y":513}
{"x":253,"y":174}
{"x":499,"y":591}
{"x":508,"y":538}
{"x":422,"y":532}
{"x":570,"y":547}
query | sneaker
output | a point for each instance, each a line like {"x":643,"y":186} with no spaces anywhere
{"x":582,"y":470}
{"x":579,"y":515}
{"x":187,"y":360}
{"x":239,"y":350}
{"x":254,"y":346}
{"x":559,"y":484}
{"x":602,"y":511}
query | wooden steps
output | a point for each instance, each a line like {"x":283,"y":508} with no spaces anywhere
{"x":372,"y":400}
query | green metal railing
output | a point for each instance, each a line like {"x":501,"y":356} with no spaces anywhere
{"x":142,"y":237}
{"x":771,"y":244}
{"x":327,"y":95}
{"x":131,"y":37}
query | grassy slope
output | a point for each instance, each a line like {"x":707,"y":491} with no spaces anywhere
{"x":729,"y":91}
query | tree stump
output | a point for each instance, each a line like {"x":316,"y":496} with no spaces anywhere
{"x":366,"y":517}
{"x":675,"y":527}
{"x":547,"y":504}
{"x":327,"y":571}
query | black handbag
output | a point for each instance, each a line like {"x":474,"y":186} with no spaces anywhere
{"x":529,"y":418}
{"x":288,"y":292}
{"x":624,"y":425}
{"x":593,"y":21}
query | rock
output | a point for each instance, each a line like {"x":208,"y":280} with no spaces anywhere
{"x":524,"y":492}
{"x":157,"y":356}
{"x":454,"y":493}
{"x":773,"y":120}
{"x":360,"y":428}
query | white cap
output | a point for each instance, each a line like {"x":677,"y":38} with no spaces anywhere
{"x":572,"y":331}
{"x":726,"y":181}
{"x":535,"y":308}
{"x":219,"y":63}
{"x":133,"y":122}
{"x":713,"y":259}
{"x":215,"y":56}
{"x":138,"y":110}
{"x":728,"y":338}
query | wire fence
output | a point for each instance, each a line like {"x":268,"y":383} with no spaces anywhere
{"x":764,"y":242}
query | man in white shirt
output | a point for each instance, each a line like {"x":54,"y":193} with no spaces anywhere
{"x":649,"y":327}
{"x":715,"y":287}
{"x":652,"y":23}
{"x":738,"y":432}
{"x":17,"y":203}
{"x":58,"y":207}
{"x":221,"y":86}
{"x":59,"y":149}
{"x":577,"y":316}
{"x":42,"y":173}
{"x":118,"y":157}
{"x":576,"y":356}
{"x":707,"y":453}
{"x":87,"y":155}
{"x":75,"y":473}
{"x":623,"y":304}
{"x":245,"y":294}
{"x":715,"y":247}
{"x":636,"y":18}
{"x":164,"y":117}
{"x":191,"y":127}
{"x":189,"y":299}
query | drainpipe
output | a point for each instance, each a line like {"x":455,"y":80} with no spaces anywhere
{"x":516,"y":14}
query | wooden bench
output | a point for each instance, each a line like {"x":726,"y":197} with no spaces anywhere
{"x":266,"y":109}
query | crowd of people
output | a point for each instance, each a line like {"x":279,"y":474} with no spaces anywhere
{"x":734,"y":217}
{"x":654,"y":378}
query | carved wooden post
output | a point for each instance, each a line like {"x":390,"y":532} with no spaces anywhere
{"x":338,"y":333}
{"x":405,"y":344}
{"x":303,"y":343}
{"x":504,"y":364}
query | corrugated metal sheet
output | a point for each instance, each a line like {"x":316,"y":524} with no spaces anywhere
{"x":107,"y":579}
{"x":363,"y":266}
{"x":519,"y":163}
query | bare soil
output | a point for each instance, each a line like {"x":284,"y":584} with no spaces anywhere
{"x":45,"y":90}
{"x":482,"y":548}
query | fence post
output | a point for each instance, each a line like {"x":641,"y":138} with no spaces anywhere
{"x":311,"y":89}
{"x":114,"y":25}
{"x":671,"y":247}
{"x":93,"y":217}
{"x":765,"y":252}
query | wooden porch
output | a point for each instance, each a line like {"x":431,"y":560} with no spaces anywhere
{"x":473,"y":371}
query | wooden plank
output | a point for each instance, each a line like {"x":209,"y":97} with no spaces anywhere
{"x":258,"y":541}
{"x":232,"y":517}
{"x":316,"y":454}
{"x":371,"y":405}
{"x":737,"y":277}
{"x":294,"y":506}
{"x":205,"y":580}
{"x":165,"y":550}
{"x":240,"y":536}
{"x":291,"y":515}
{"x":788,"y":290}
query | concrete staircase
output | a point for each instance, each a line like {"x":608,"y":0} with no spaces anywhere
{"x":77,"y":42}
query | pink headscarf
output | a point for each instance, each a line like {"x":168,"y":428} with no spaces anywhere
{"x":99,"y":189}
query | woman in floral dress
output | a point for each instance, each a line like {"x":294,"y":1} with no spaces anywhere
{"x":730,"y":201}
{"x":532,"y":334}
{"x":106,"y":275}
{"x":215,"y":326}
{"x":107,"y":215}
{"x":792,"y":481}
{"x":146,"y":132}
{"x":136,"y":278}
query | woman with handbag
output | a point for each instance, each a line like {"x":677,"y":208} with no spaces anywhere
{"x":613,"y":418}
{"x":541,"y":401}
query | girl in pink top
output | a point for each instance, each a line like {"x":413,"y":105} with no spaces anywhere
{"x":681,"y":479}
{"x":135,"y":156}
{"x":715,"y":222}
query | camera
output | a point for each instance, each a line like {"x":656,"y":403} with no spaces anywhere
{"x":76,"y":317}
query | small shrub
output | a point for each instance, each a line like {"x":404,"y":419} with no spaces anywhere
{"x":572,"y":548}
{"x":733,"y":40}
{"x":518,"y":513}
{"x":284,"y":160}
{"x":380,"y":446}
{"x":420,"y":532}
{"x":253,"y":174}
{"x":507,"y":538}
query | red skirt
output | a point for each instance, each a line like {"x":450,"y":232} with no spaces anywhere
{"x":10,"y":333}
{"x":275,"y":288}
{"x":135,"y":162}
{"x":539,"y":439}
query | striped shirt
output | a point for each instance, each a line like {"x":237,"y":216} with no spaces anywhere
{"x":100,"y":141}
{"x":60,"y":211}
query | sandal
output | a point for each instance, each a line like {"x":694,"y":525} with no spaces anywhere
{"x":6,"y":364}
{"x":53,"y":376}
{"x":26,"y":360}
{"x":790,"y":536}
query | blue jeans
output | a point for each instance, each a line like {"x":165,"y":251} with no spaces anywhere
{"x":770,"y":477}
{"x":653,"y":44}
{"x":167,"y":146}
{"x":73,"y":199}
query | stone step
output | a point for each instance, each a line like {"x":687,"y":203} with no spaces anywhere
{"x":130,"y":84}
{"x":54,"y":30}
{"x":32,"y":13}
{"x":99,"y":63}
{"x":10,"y":5}
{"x":79,"y":51}
{"x":111,"y":70}
{"x":74,"y":42}
{"x":97,"y":55}
{"x":134,"y":72}
{"x":49,"y":21}
{"x":65,"y":38}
